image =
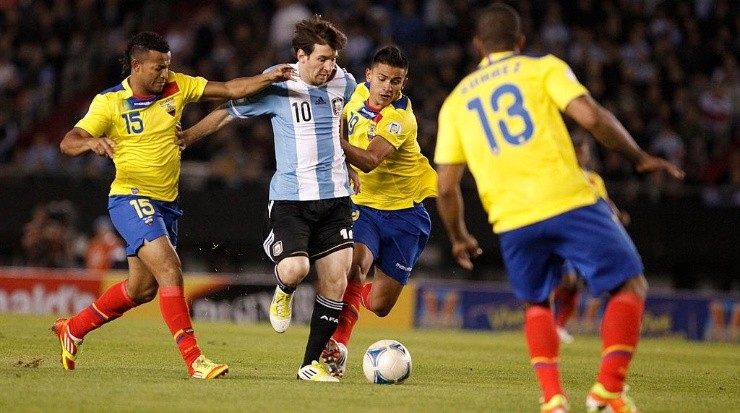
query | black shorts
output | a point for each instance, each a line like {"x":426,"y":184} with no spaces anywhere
{"x":313,"y":229}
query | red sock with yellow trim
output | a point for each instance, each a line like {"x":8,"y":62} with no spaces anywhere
{"x":350,"y":312}
{"x":544,"y":345}
{"x":109,"y":306}
{"x":620,"y":332}
{"x":175,"y":312}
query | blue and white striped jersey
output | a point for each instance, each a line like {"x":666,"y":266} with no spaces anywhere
{"x":305,"y":123}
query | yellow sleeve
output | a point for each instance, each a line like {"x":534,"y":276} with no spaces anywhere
{"x":561,"y":83}
{"x":192,"y":86}
{"x":449,"y":149}
{"x":393,"y":128}
{"x":97,"y":121}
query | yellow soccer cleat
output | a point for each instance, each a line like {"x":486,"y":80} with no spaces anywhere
{"x":70,"y":347}
{"x":316,"y":372}
{"x":601,"y":400}
{"x":557,"y":404}
{"x":202,"y":368}
{"x":281,"y":310}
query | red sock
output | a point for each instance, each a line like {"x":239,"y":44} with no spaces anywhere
{"x":109,"y":306}
{"x":350,"y":312}
{"x":565,"y":303}
{"x":544,"y":345}
{"x":620,"y":332}
{"x":175,"y":313}
{"x":365,"y":294}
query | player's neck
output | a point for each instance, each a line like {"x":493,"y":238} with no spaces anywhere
{"x":139,"y":92}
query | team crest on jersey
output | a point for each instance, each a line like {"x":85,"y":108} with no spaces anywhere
{"x":371,"y":131}
{"x":168,"y":105}
{"x":337,"y":104}
{"x":394,"y":128}
{"x":277,"y":248}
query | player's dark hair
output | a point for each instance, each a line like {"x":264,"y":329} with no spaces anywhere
{"x":391,"y":56}
{"x":142,"y":43}
{"x":499,"y":27}
{"x":315,"y":30}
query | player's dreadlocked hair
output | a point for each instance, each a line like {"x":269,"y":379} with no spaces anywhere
{"x":391,"y":56}
{"x":142,"y":43}
{"x":316,"y":30}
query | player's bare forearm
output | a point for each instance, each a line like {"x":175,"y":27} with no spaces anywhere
{"x":362,"y":159}
{"x":214,"y":121}
{"x":604,"y":126}
{"x":78,"y":141}
{"x":247,"y":86}
{"x":450,"y":207}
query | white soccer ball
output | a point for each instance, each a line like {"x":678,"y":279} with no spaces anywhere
{"x":387,"y":362}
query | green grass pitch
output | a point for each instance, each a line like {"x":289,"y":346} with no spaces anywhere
{"x":132,"y":365}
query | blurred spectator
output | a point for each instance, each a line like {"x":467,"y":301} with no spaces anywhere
{"x":105,"y":250}
{"x":49,"y":237}
{"x":282,"y":26}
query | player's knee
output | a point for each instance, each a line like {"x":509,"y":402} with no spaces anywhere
{"x":381,"y":310}
{"x":144,"y":294}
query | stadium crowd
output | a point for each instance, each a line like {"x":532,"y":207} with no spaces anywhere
{"x":667,"y":69}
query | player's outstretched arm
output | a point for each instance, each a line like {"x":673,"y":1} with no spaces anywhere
{"x":607,"y":129}
{"x":214,"y":121}
{"x":78,"y":141}
{"x":451,"y":209}
{"x":247,"y":86}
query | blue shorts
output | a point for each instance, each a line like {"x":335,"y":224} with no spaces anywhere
{"x":589,"y":237}
{"x":396,"y":238}
{"x":140,"y":218}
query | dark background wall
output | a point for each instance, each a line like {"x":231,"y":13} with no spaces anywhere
{"x":688,"y":242}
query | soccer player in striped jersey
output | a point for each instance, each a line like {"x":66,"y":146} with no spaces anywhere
{"x":134,"y":124}
{"x":308,"y":215}
{"x":391,"y":225}
{"x":504,"y":122}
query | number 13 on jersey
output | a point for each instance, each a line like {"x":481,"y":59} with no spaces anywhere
{"x":515,"y":125}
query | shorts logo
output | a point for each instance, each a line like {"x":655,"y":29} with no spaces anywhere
{"x":277,"y":248}
{"x":148,"y":220}
{"x":399,"y":265}
{"x":394,"y":128}
{"x":355,"y":215}
{"x":337,"y":104}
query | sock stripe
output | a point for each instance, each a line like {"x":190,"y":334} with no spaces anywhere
{"x":544,"y":361}
{"x":181,"y":334}
{"x":95,"y":310}
{"x":335,"y":305}
{"x":622,"y":349}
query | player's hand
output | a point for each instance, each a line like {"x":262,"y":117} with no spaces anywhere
{"x":282,"y":72}
{"x":624,"y":218}
{"x":180,"y":137}
{"x":464,"y":250}
{"x":102,"y":146}
{"x":651,"y":163}
{"x":354,"y":179}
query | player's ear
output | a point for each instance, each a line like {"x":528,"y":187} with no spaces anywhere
{"x":368,"y":74}
{"x":405,"y":82}
{"x":301,"y":55}
{"x":520,"y":42}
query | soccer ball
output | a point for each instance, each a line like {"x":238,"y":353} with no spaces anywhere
{"x":387,"y":362}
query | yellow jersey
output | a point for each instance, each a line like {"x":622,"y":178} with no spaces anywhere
{"x":405,"y":177}
{"x":597,"y":182}
{"x":147,"y":158}
{"x":504,"y":121}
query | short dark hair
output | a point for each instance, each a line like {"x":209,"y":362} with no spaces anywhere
{"x":392,"y":56}
{"x":315,"y":30}
{"x":498,"y":27}
{"x":141,"y":43}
